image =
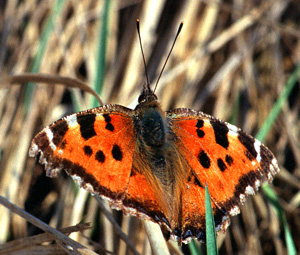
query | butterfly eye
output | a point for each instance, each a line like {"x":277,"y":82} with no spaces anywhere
{"x":141,"y":98}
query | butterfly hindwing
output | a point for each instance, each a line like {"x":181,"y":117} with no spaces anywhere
{"x":232,"y":163}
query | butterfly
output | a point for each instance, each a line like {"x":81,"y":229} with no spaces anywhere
{"x":154,"y":164}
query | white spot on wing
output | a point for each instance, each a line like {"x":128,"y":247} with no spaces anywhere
{"x":257,"y":184}
{"x":274,"y":162}
{"x":249,"y":190}
{"x":257,"y":145}
{"x":234,"y":211}
{"x":274,"y":167}
{"x":50,"y":137}
{"x":232,"y":128}
{"x":232,"y":133}
{"x":33,"y":150}
{"x":185,"y":241}
{"x":49,"y":133}
{"x":242,"y":198}
{"x":89,"y":187}
{"x":270,"y":176}
{"x":72,"y":120}
{"x":77,"y":179}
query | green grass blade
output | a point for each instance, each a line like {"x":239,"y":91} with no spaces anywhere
{"x":35,"y":67}
{"x":272,"y":197}
{"x":211,"y":239}
{"x":101,"y":54}
{"x":195,"y":249}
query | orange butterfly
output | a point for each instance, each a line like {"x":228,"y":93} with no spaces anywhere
{"x":154,"y":164}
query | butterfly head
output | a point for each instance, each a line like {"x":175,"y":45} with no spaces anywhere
{"x":147,"y":96}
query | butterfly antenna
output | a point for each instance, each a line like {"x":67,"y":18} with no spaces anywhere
{"x":162,"y":70}
{"x":144,"y":60}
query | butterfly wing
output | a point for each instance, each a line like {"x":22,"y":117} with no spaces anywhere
{"x":94,"y":147}
{"x":232,"y":163}
{"x":97,"y":148}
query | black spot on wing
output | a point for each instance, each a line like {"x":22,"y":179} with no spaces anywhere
{"x":229,"y":160}
{"x":221,"y":130}
{"x":199,"y":125}
{"x":117,"y":153}
{"x":87,"y":150}
{"x":86,"y":123}
{"x":108,"y":126}
{"x":99,"y":156}
{"x":221,"y":164}
{"x":107,"y":118}
{"x":59,"y":129}
{"x":200,"y":133}
{"x":204,"y":159}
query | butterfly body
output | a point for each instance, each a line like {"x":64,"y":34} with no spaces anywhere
{"x":157,"y":157}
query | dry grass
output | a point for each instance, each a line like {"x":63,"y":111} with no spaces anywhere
{"x":232,"y":60}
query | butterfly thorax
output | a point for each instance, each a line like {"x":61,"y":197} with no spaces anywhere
{"x":151,"y":121}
